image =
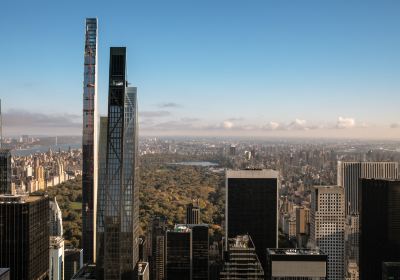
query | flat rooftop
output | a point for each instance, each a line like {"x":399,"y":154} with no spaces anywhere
{"x":252,"y":173}
{"x":87,"y":272}
{"x":295,"y":252}
{"x":18,"y":198}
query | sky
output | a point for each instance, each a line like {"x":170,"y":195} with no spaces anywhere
{"x":211,"y":67}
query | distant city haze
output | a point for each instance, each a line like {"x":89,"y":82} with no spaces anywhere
{"x":210,"y":68}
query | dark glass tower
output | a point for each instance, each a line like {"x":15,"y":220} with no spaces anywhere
{"x":119,"y":201}
{"x":379,"y":203}
{"x":89,"y":143}
{"x":157,"y":258}
{"x":5,"y":171}
{"x":193,"y":213}
{"x":252,"y":208}
{"x":178,"y":255}
{"x":24,"y":236}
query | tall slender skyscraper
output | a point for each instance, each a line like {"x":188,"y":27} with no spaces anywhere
{"x":379,"y":226}
{"x":1,"y":127}
{"x":120,"y":199}
{"x":89,"y":143}
{"x":327,"y":226}
{"x":252,"y":208}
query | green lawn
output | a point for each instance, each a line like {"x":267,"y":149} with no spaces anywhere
{"x":76,"y":205}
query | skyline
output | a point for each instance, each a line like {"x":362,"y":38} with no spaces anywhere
{"x":302,"y":69}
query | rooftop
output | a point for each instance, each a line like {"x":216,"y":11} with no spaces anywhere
{"x":295,"y":252}
{"x":252,"y":173}
{"x":142,"y":266}
{"x":18,"y":198}
{"x":87,"y":272}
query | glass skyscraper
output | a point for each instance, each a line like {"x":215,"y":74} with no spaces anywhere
{"x":89,"y":143}
{"x":119,"y":194}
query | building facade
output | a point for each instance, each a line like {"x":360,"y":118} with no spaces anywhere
{"x":73,"y":262}
{"x":327,"y":219}
{"x":89,"y":143}
{"x":349,"y":174}
{"x":24,"y":236}
{"x":120,"y":198}
{"x":193,"y":213}
{"x":5,"y":171}
{"x":294,"y":264}
{"x":157,"y":256}
{"x":252,"y":207}
{"x":379,"y":226}
{"x":56,"y":260}
{"x":241,"y":260}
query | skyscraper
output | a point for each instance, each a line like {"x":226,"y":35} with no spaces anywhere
{"x":101,"y":196}
{"x":252,"y":207}
{"x":241,"y":260}
{"x":193,"y":213}
{"x":178,"y":256}
{"x":379,"y":226}
{"x":5,"y":171}
{"x":349,"y":173}
{"x":56,"y":227}
{"x":89,"y":143}
{"x":1,"y":127}
{"x":56,"y":260}
{"x":24,"y":236}
{"x":157,"y":258}
{"x":327,"y":226}
{"x":120,"y":200}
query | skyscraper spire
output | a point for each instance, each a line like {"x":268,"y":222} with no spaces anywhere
{"x":89,"y":143}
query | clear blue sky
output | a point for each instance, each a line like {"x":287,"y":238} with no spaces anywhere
{"x":225,"y":64}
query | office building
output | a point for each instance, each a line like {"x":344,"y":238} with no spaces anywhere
{"x":143,"y":271}
{"x":5,"y":171}
{"x":56,"y":226}
{"x":89,"y":143}
{"x":5,"y":274}
{"x":327,"y":227}
{"x":252,"y":207}
{"x":178,"y":254}
{"x":119,"y":200}
{"x":56,"y":260}
{"x":187,"y":252}
{"x":379,"y":226}
{"x":241,"y":261}
{"x":193,"y":213}
{"x":73,"y":262}
{"x":157,"y":257}
{"x":391,"y":271}
{"x":24,"y":236}
{"x":293,"y":264}
{"x":349,"y":174}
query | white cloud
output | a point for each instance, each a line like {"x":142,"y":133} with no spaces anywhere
{"x":228,"y":124}
{"x":345,"y":122}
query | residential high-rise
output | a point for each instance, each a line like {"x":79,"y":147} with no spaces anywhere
{"x":100,"y":195}
{"x":56,"y":226}
{"x":293,"y":264}
{"x":193,"y":213}
{"x":56,"y":260}
{"x":327,"y":227}
{"x":349,"y":174}
{"x":241,"y":261}
{"x":89,"y":143}
{"x":120,"y":198}
{"x":252,"y":208}
{"x":24,"y":236}
{"x":5,"y":171}
{"x":379,"y":226}
{"x":157,"y":258}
